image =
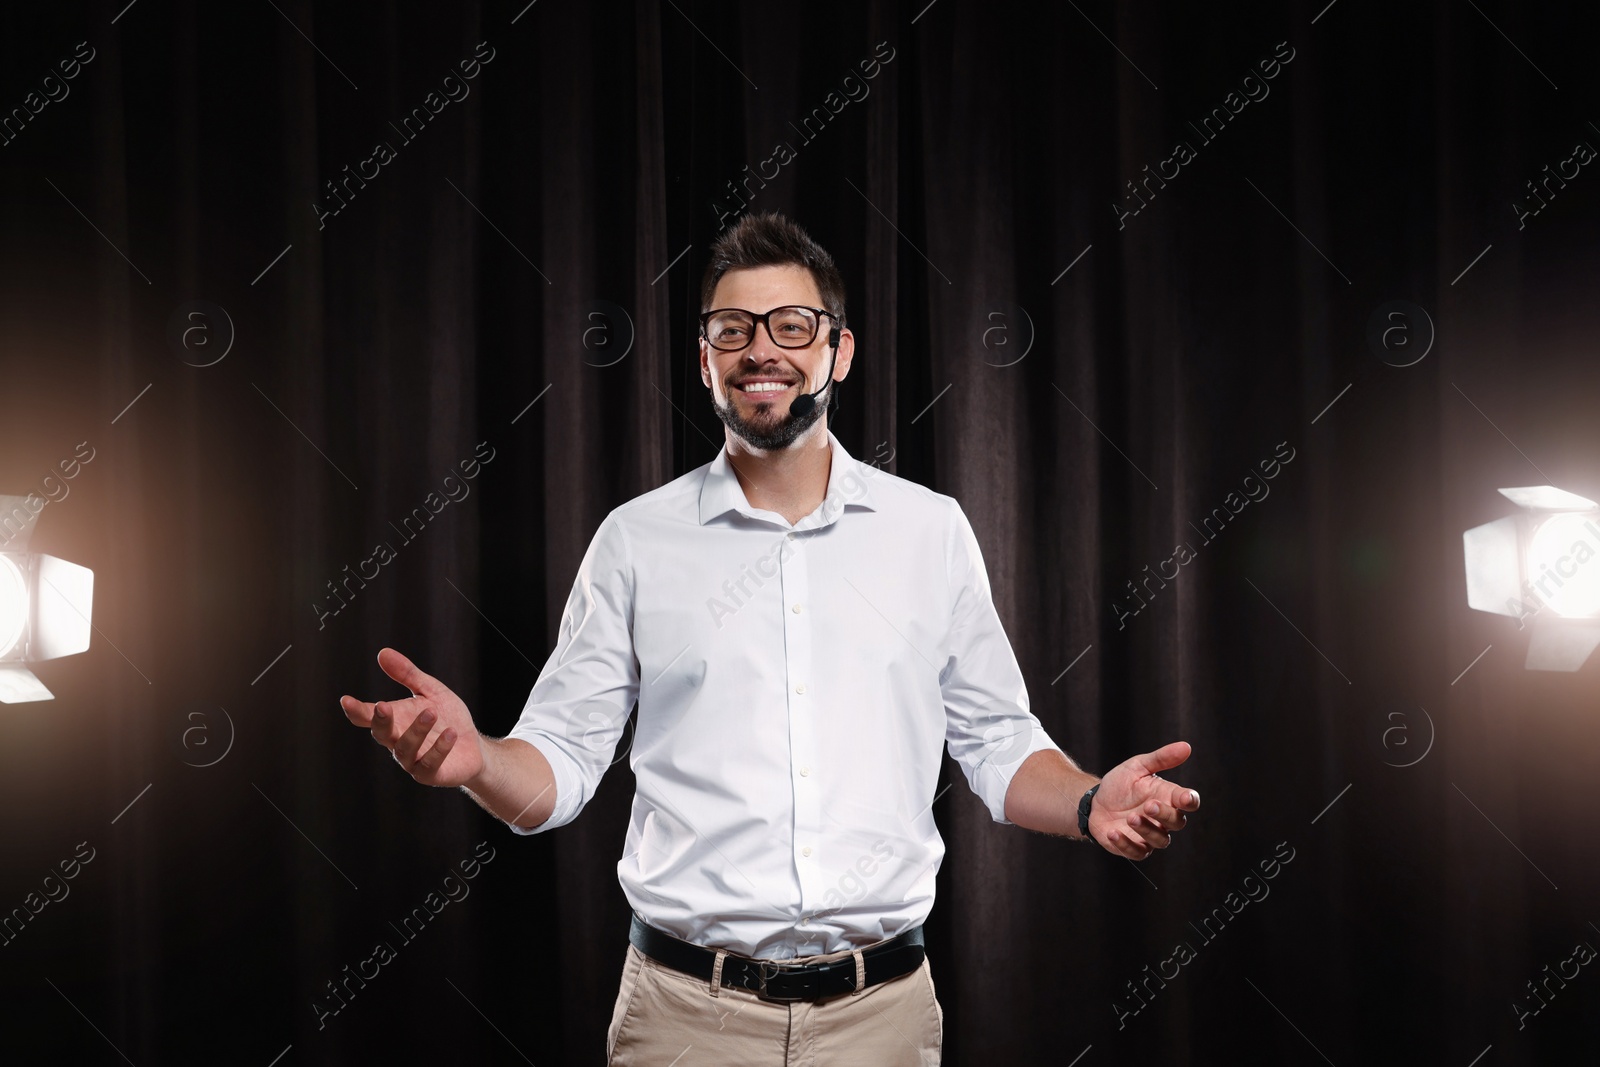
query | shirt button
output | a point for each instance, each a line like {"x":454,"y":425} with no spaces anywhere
{"x":805,"y":772}
{"x":796,"y":609}
{"x":806,"y":851}
{"x":804,"y":920}
{"x":801,"y":688}
{"x":789,"y":536}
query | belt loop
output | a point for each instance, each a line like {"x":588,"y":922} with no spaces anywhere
{"x":716,"y":972}
{"x":861,"y":972}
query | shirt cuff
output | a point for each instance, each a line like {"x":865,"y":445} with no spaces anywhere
{"x":566,"y":780}
{"x":992,"y":780}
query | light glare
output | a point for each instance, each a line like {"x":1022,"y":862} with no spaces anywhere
{"x":1564,"y":564}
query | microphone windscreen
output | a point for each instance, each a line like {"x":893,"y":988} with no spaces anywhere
{"x":802,"y":406}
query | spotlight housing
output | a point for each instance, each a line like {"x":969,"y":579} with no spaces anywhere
{"x":45,"y":605}
{"x":1541,"y":565}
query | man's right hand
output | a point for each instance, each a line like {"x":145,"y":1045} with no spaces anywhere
{"x":430,"y":733}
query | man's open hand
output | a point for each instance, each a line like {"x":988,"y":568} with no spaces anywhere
{"x":430,"y":733}
{"x":1135,"y":811}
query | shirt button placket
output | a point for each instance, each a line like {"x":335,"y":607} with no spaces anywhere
{"x":798,"y":633}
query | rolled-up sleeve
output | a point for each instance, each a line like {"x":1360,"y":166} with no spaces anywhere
{"x":580,"y":703}
{"x":989,"y":729}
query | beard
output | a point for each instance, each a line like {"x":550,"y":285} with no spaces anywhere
{"x":771,"y":427}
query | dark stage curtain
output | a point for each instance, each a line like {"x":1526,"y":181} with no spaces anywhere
{"x":1100,"y":363}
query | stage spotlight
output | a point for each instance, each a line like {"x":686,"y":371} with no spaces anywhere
{"x":45,"y":605}
{"x":1541,"y":564}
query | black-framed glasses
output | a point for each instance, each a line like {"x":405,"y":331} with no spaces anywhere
{"x":789,"y":326}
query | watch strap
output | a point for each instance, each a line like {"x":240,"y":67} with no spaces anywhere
{"x":1083,"y":809}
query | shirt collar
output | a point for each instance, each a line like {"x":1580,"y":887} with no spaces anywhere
{"x":847,"y":485}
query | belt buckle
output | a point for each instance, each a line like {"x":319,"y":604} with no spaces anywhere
{"x":769,"y":969}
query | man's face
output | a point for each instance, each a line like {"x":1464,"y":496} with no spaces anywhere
{"x":761,"y":418}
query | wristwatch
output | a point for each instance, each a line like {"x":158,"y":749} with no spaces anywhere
{"x":1083,"y":809}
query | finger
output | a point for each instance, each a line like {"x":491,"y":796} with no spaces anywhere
{"x":1166,"y":757}
{"x":357,"y":711}
{"x":431,"y":759}
{"x":1180,"y":797}
{"x":384,"y":730}
{"x":386,"y":723}
{"x":1148,"y":832}
{"x":405,"y":749}
{"x":1165,"y":816}
{"x":405,"y":672}
{"x":1126,"y":846}
{"x":391,"y":717}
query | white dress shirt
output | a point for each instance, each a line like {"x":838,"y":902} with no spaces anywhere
{"x":795,"y":685}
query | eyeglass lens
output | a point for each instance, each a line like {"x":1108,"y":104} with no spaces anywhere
{"x":789,"y":327}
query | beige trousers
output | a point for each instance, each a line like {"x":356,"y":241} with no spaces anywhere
{"x":665,"y":1018}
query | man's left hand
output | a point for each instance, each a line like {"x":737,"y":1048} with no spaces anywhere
{"x":1135,"y":811}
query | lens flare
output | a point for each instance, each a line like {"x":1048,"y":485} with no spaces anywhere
{"x":1564,"y":564}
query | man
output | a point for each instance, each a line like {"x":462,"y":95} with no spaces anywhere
{"x":802,"y":634}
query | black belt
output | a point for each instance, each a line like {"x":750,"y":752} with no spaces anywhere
{"x":783,"y":980}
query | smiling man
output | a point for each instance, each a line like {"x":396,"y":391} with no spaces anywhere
{"x":782,"y":851}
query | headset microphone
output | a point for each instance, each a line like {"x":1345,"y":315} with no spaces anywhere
{"x":804,"y":404}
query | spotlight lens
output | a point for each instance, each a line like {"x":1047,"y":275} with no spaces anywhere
{"x":1564,"y":563}
{"x":13,"y":604}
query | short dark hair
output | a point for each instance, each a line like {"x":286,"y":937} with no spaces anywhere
{"x":771,"y":240}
